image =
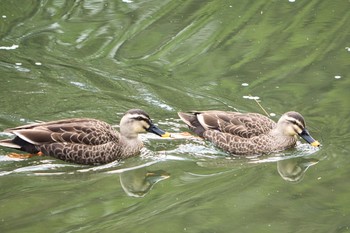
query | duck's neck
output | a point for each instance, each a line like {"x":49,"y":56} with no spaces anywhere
{"x":282,"y":139}
{"x":132,"y":145}
{"x":127,"y":134}
{"x":128,"y":137}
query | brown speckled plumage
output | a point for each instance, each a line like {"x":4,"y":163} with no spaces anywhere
{"x":84,"y":140}
{"x":247,"y":133}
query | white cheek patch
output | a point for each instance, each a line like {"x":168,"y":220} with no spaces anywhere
{"x":290,"y":130}
{"x":145,"y":125}
{"x":140,"y":126}
{"x":297,"y":129}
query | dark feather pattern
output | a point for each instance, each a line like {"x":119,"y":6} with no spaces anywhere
{"x":82,"y":130}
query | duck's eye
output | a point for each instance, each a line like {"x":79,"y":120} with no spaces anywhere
{"x":140,"y":118}
{"x":296,"y":123}
{"x":293,"y":122}
{"x":144,"y":121}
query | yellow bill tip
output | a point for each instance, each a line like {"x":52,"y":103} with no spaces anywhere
{"x":315,"y":144}
{"x":166,"y":135}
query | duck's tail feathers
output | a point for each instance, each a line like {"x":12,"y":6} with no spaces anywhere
{"x":10,"y":144}
{"x":192,"y":121}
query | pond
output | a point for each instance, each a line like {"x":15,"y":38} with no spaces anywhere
{"x":64,"y":59}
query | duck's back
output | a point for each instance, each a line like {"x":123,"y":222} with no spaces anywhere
{"x":76,"y":130}
{"x":244,"y":125}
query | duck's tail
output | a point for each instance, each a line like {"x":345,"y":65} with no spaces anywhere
{"x":19,"y":144}
{"x":192,"y":121}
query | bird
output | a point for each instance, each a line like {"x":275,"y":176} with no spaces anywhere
{"x":246,"y":134}
{"x":84,"y":141}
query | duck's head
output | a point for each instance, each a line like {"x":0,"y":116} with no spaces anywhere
{"x":137,"y":121}
{"x":293,"y":123}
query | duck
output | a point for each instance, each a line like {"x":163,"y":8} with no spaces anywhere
{"x":248,"y":134}
{"x":84,"y":141}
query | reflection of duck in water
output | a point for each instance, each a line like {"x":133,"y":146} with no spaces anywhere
{"x":294,"y":169}
{"x":138,"y":182}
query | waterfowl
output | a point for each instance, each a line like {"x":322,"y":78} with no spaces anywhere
{"x":84,"y":140}
{"x":248,"y":133}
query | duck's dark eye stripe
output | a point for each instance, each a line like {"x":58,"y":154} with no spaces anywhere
{"x":142,"y":118}
{"x":296,"y":123}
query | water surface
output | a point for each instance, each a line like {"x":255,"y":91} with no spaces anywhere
{"x":62,"y":59}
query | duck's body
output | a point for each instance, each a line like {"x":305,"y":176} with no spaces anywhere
{"x":84,"y":140}
{"x":248,"y":133}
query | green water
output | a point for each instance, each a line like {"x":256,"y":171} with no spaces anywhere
{"x":62,"y":59}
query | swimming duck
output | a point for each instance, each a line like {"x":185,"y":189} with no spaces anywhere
{"x":248,"y":133}
{"x":84,"y":140}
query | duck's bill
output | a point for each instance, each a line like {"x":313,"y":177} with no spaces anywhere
{"x":158,"y":174}
{"x":154,"y":129}
{"x":307,"y":137}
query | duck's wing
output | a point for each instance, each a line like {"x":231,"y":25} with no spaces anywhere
{"x":76,"y":130}
{"x":244,"y":125}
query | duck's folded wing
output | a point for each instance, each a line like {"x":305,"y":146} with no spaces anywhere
{"x":83,"y":131}
{"x":244,"y":125}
